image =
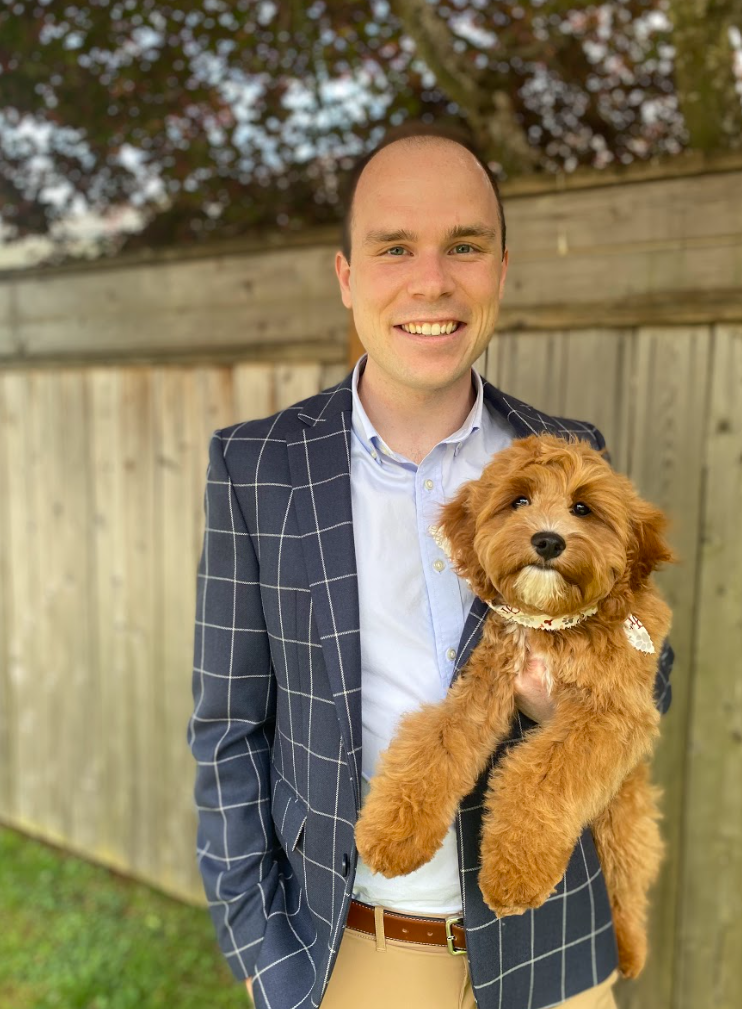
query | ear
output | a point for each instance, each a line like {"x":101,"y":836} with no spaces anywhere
{"x":457,"y":522}
{"x":648,"y":548}
{"x":342,"y":270}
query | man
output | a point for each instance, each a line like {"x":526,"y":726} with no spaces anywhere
{"x":326,"y":609}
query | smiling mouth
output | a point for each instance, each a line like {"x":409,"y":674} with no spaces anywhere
{"x":443,"y":328}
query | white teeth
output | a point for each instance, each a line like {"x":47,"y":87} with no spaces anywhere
{"x":430,"y":329}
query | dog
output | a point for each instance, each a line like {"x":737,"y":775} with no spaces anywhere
{"x":561,"y":548}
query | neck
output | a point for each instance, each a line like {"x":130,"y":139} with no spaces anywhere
{"x":413,"y":421}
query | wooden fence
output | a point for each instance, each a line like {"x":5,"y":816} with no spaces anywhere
{"x":102,"y":465}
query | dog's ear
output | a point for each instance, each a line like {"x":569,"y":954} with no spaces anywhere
{"x":647,"y":548}
{"x":457,"y":522}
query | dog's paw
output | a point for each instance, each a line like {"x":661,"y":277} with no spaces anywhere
{"x":391,"y":856}
{"x":506,"y":894}
{"x":515,"y":875}
{"x":504,"y":912}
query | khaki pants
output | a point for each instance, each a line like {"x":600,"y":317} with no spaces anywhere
{"x":372,"y":971}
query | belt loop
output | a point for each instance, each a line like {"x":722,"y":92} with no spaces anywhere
{"x":379,"y":924}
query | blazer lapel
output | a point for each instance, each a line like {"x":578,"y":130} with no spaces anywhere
{"x":319,"y":460}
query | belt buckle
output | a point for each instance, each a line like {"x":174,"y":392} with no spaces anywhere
{"x":450,"y":937}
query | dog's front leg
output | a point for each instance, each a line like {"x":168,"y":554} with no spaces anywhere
{"x":545,"y":791}
{"x":434,"y":760}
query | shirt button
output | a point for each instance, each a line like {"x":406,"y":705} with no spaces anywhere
{"x":374,"y":453}
{"x":451,"y":654}
{"x":385,"y":450}
{"x":438,"y":565}
{"x":428,"y":485}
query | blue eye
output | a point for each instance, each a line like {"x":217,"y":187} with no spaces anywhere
{"x":395,"y":248}
{"x":520,"y":501}
{"x":465,"y":245}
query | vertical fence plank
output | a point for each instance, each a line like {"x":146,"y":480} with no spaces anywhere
{"x":9,"y":713}
{"x":52,"y":641}
{"x":332,"y":374}
{"x":591,"y":374}
{"x":254,"y":391}
{"x":295,"y":382}
{"x":217,"y":408}
{"x":709,"y":965}
{"x":175,"y":404}
{"x":142,"y":636}
{"x":25,"y":462}
{"x":69,"y":627}
{"x":110,"y":732}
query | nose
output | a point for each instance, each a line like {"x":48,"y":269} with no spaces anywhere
{"x":548,"y":545}
{"x":431,"y":279}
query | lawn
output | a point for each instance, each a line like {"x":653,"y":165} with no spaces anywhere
{"x":75,"y":936}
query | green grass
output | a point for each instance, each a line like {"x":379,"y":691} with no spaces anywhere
{"x":75,"y":936}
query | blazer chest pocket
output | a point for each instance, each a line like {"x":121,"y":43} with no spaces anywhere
{"x":289,"y":815}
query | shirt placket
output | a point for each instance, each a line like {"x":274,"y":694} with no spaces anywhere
{"x":440,"y":578}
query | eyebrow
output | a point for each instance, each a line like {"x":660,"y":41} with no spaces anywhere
{"x":459,"y":231}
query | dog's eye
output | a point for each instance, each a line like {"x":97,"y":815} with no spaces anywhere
{"x":580,"y":509}
{"x":519,"y":501}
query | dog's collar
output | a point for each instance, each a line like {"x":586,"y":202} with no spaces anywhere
{"x":541,"y":621}
{"x":634,"y":629}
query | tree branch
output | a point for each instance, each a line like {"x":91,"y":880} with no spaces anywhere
{"x":703,"y":72}
{"x":489,"y":113}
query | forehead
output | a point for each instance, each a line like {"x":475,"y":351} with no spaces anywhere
{"x":435,"y":185}
{"x":560,"y":472}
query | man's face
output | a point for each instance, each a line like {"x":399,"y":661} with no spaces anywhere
{"x":409,"y":264}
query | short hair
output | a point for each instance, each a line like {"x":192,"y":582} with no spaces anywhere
{"x":411,"y":130}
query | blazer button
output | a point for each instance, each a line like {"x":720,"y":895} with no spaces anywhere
{"x":345,"y":866}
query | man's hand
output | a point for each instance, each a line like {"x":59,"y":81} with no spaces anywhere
{"x":531,"y":694}
{"x":248,"y":985}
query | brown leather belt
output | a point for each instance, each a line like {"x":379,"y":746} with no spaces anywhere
{"x":429,"y":931}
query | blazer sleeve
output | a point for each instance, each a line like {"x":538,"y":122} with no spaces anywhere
{"x":662,"y":688}
{"x":230,"y":732}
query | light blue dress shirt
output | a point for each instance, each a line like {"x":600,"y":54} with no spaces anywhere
{"x":413,"y":607}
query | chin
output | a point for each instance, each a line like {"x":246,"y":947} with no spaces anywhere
{"x":544,"y":590}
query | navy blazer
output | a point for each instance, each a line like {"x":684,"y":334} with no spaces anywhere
{"x":276,"y":727}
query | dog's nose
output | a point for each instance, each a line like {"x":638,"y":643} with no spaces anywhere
{"x":548,"y":545}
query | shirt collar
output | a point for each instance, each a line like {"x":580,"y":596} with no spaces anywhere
{"x":372,"y":440}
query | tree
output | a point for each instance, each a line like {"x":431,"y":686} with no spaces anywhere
{"x":222,"y":116}
{"x":707,"y":94}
